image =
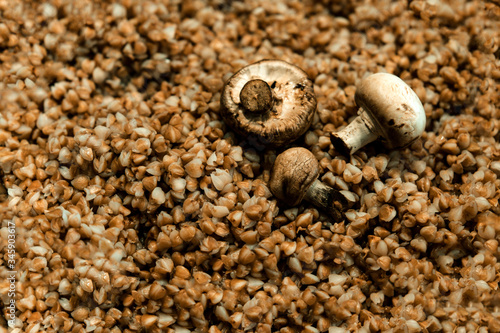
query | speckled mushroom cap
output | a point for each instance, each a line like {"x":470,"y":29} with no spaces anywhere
{"x":393,"y":106}
{"x":293,"y":173}
{"x":291,"y":113}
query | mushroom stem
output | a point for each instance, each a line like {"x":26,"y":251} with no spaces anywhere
{"x":356,"y":135}
{"x":256,"y":96}
{"x":327,"y":198}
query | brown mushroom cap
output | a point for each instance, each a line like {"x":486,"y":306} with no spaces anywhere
{"x":291,"y":112}
{"x":294,"y":171}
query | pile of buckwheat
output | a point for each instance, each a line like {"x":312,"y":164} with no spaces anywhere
{"x":137,"y":209}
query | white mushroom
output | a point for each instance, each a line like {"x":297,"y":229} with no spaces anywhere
{"x":389,"y":109}
{"x":271,"y":101}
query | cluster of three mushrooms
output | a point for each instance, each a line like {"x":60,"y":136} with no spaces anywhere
{"x":273,"y":102}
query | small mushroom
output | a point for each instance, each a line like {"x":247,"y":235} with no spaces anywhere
{"x":270,"y":100}
{"x":389,"y":109}
{"x":294,"y":177}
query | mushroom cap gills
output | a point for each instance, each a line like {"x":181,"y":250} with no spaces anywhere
{"x":292,"y":111}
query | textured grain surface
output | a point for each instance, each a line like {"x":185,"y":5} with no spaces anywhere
{"x":137,"y":209}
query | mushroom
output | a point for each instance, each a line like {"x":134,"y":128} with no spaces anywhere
{"x":389,"y":108}
{"x":294,"y":177}
{"x":270,"y":100}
